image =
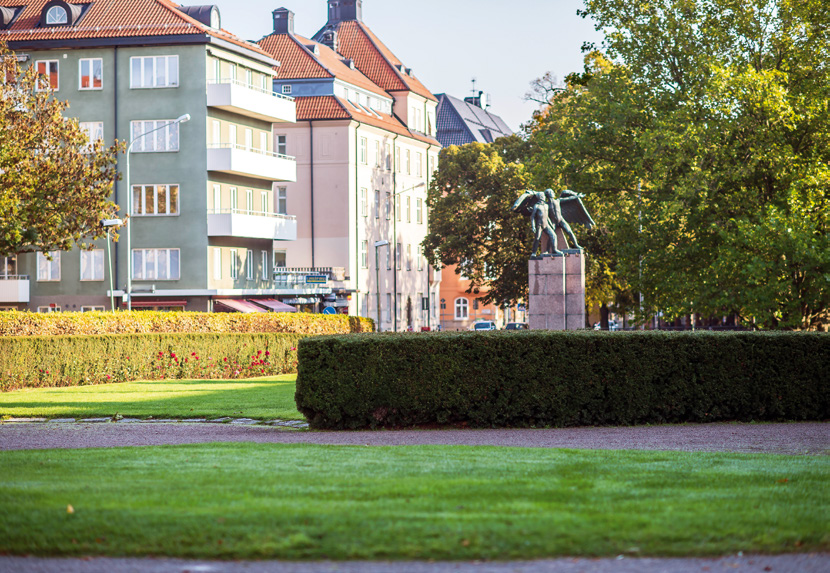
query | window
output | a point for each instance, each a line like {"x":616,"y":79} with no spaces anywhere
{"x":279,"y":259}
{"x":286,"y":89}
{"x":234,"y":200}
{"x":217,"y":264}
{"x":234,"y":264}
{"x":398,"y":300}
{"x":217,"y":132}
{"x":420,"y":257}
{"x":398,"y":207}
{"x":92,"y":73}
{"x":56,"y":15}
{"x":263,"y":202}
{"x":263,"y":84}
{"x":419,"y":161}
{"x":388,"y":153}
{"x":364,"y":254}
{"x":408,"y":162}
{"x":377,"y":204}
{"x":249,"y":78}
{"x":92,"y":309}
{"x":149,"y":200}
{"x":388,"y":205}
{"x":409,"y":257}
{"x":388,"y":259}
{"x":249,"y":201}
{"x":249,"y":138}
{"x":419,"y":205}
{"x":217,"y":70}
{"x":92,"y":265}
{"x":264,"y":264}
{"x":154,"y":72}
{"x":232,"y":137}
{"x":94,"y":131}
{"x":48,"y":72}
{"x":263,"y":142}
{"x":8,"y":267}
{"x":364,"y":202}
{"x":156,"y":264}
{"x":46,"y":309}
{"x":408,"y":209}
{"x":398,"y":254}
{"x":159,"y":136}
{"x":387,"y":315}
{"x":398,"y":159}
{"x":362,"y":156}
{"x":217,"y":198}
{"x":282,"y":200}
{"x":49,"y":270}
{"x":249,"y":265}
{"x":232,"y":72}
{"x":282,"y":145}
{"x":462,"y":309}
{"x":377,"y":154}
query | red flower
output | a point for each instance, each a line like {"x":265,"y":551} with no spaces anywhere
{"x":267,"y":353}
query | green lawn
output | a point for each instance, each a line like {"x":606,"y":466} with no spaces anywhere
{"x":443,"y":502}
{"x":258,"y":398}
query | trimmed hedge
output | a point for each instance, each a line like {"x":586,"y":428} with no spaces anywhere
{"x":41,"y":361}
{"x":541,"y":378}
{"x":14,"y":323}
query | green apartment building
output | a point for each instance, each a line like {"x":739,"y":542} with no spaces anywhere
{"x":207,"y":211}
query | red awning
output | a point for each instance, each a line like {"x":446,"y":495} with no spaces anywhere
{"x":240,"y":305}
{"x":151,"y":303}
{"x":274,"y":305}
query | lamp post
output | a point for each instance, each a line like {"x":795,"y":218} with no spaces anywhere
{"x":181,"y":119}
{"x":108,"y":224}
{"x":395,"y":234}
{"x":378,"y":245}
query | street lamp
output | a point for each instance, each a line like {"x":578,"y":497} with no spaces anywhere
{"x":108,"y":224}
{"x":395,"y":233}
{"x":378,"y":245}
{"x":181,"y":119}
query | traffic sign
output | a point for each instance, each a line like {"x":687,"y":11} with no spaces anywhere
{"x":329,"y":310}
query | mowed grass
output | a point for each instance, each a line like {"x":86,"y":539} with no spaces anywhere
{"x":259,"y":501}
{"x":257,"y":398}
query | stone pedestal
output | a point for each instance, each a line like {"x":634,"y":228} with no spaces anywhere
{"x":557,"y":291}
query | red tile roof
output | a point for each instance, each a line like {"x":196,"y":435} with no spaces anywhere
{"x":113,"y":19}
{"x":333,"y":107}
{"x":335,"y":64}
{"x":373,"y":58}
{"x":296,"y":61}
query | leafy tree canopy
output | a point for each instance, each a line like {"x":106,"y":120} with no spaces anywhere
{"x":54,"y":186}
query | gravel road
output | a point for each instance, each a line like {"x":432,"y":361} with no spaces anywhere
{"x":792,"y":439}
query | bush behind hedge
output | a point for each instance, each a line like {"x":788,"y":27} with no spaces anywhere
{"x":539,"y":378}
{"x":46,"y":361}
{"x":14,"y":323}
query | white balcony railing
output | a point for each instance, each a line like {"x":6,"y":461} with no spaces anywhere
{"x":235,"y":159}
{"x":252,"y":225}
{"x":252,"y":101}
{"x":14,"y":288}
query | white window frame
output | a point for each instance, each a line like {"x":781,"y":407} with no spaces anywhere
{"x":408,"y":209}
{"x":168,"y":129}
{"x":398,"y":256}
{"x":249,"y":264}
{"x":409,"y":257}
{"x":50,"y":15}
{"x":264,"y":263}
{"x":462,"y":309}
{"x":420,"y":257}
{"x":249,"y":201}
{"x":286,"y":89}
{"x":398,"y":210}
{"x":377,"y":154}
{"x":48,"y":309}
{"x":419,"y":205}
{"x":282,"y":201}
{"x":234,"y":199}
{"x":94,"y":131}
{"x":217,"y":264}
{"x":95,"y":263}
{"x":217,"y":198}
{"x":249,"y":139}
{"x":48,"y":76}
{"x":49,"y":271}
{"x":140,"y":207}
{"x":363,"y":151}
{"x":92,"y":63}
{"x":282,"y":145}
{"x":93,"y":308}
{"x":140,"y":81}
{"x":419,"y":164}
{"x":364,"y":201}
{"x":234,"y":268}
{"x":143,"y":275}
{"x":263,"y":202}
{"x":263,"y":142}
{"x":364,"y":254}
{"x":377,"y":204}
{"x":217,"y":132}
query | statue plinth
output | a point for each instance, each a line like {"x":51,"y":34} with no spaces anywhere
{"x":557,"y":291}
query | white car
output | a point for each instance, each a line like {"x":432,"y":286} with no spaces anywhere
{"x":612,"y":325}
{"x":484,"y":325}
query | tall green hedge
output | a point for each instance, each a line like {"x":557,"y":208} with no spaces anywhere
{"x":540,"y":378}
{"x":40,"y":361}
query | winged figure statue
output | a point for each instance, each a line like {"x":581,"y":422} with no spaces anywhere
{"x":547,"y":214}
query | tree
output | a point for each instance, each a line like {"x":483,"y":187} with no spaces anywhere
{"x":702,"y":132}
{"x":54,"y":186}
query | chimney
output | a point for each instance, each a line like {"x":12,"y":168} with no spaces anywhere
{"x":329,"y":38}
{"x":345,"y":10}
{"x":283,"y":21}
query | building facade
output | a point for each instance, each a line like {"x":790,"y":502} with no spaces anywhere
{"x":365,"y":146}
{"x":205,"y":219}
{"x":461,"y":122}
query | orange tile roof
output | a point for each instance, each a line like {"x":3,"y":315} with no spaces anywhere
{"x":113,"y":19}
{"x":373,"y":58}
{"x":296,"y":61}
{"x":333,"y":107}
{"x":334,"y":63}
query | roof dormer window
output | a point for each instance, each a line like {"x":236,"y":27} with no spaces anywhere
{"x":56,"y":15}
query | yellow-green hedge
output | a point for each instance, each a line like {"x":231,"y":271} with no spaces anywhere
{"x":145,"y":322}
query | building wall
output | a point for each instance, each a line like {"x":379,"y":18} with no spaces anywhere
{"x":454,"y":287}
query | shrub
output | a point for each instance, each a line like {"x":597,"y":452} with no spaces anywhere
{"x":40,"y":361}
{"x":541,"y":378}
{"x":86,"y":323}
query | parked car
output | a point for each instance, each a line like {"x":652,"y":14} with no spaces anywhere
{"x":516,"y":326}
{"x":612,"y":325}
{"x":484,"y":325}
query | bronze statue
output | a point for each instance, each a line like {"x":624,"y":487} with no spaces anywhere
{"x":547,"y":213}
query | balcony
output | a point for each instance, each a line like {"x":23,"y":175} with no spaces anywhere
{"x":252,"y":225}
{"x":294,"y":277}
{"x":243,"y":99}
{"x":14,"y":288}
{"x":235,"y":159}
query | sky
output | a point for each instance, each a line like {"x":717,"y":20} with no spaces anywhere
{"x":504,"y":44}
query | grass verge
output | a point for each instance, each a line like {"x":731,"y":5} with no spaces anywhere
{"x":234,"y":501}
{"x":257,"y":398}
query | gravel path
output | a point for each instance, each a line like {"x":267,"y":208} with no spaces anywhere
{"x":808,"y":563}
{"x":792,"y":439}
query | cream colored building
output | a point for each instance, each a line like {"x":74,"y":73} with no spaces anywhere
{"x":365,"y":148}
